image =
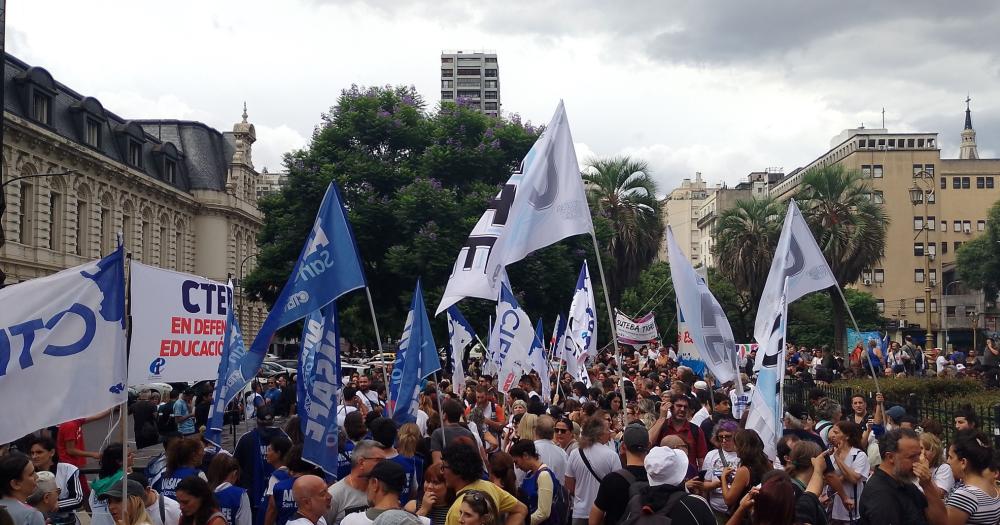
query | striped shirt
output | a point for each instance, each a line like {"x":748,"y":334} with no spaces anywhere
{"x":982,"y":508}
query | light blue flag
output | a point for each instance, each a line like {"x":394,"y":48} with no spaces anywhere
{"x":536,"y":356}
{"x":320,"y":376}
{"x":512,"y":337}
{"x":230,"y":380}
{"x":460,"y":335}
{"x":416,"y":359}
{"x":328,"y":267}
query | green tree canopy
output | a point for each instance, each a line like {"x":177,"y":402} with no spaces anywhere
{"x":979,"y":259}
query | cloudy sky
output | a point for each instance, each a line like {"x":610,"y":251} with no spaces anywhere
{"x":723,"y":88}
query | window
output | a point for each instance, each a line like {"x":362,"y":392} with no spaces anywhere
{"x":491,"y":60}
{"x":135,"y":154}
{"x":909,"y":143}
{"x":56,"y":214}
{"x":944,"y":225}
{"x":918,"y":249}
{"x":879,"y":197}
{"x":966,"y":183}
{"x":469,"y":72}
{"x":931,"y":248}
{"x":447,"y":60}
{"x":179,"y":248}
{"x":82,"y":227}
{"x":933,"y":275}
{"x":447,"y":95}
{"x":918,"y":275}
{"x":491,"y":84}
{"x":980,"y":226}
{"x":170,"y":171}
{"x":880,"y":304}
{"x":918,"y":305}
{"x":929,"y":168}
{"x":989,"y":183}
{"x":491,"y":73}
{"x":127,"y":230}
{"x":956,"y":183}
{"x":879,"y":275}
{"x":26,"y":214}
{"x":957,"y":226}
{"x":492,"y":95}
{"x":877,"y":171}
{"x":447,"y":73}
{"x":918,"y":223}
{"x":956,"y":245}
{"x":967,"y":226}
{"x":934,"y":305}
{"x":491,"y":106}
{"x":931,"y":197}
{"x":944,"y":183}
{"x":949,"y":311}
{"x":866,"y":275}
{"x":107,"y":231}
{"x":41,"y":107}
{"x":944,"y":248}
{"x":930,"y":223}
{"x":93,"y":133}
{"x":980,"y":183}
{"x":147,"y":242}
{"x":917,"y":168}
{"x":162,"y":242}
{"x":467,"y":82}
{"x":448,"y":83}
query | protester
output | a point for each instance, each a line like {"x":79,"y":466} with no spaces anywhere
{"x":129,"y":505}
{"x":384,"y":431}
{"x":223,"y":474}
{"x":678,"y":424}
{"x":477,"y":508}
{"x":45,"y":498}
{"x":890,"y":494}
{"x":312,"y":500}
{"x":110,"y":473}
{"x":385,"y":484}
{"x":502,"y":471}
{"x":852,"y":468}
{"x":281,"y":506}
{"x":564,"y":435}
{"x":250,"y":453}
{"x":752,"y":466}
{"x":933,"y":452}
{"x":550,"y":453}
{"x":157,"y":466}
{"x":198,"y":503}
{"x":434,"y":502}
{"x":184,"y":413}
{"x":144,"y":421}
{"x":446,"y":435}
{"x":805,"y":465}
{"x":589,"y":463}
{"x":615,"y":488}
{"x":977,"y":500}
{"x":665,"y":496}
{"x":67,"y":480}
{"x":183,"y":460}
{"x":348,"y":495}
{"x":716,"y":462}
{"x":771,"y":504}
{"x":17,"y":483}
{"x":463,"y":470}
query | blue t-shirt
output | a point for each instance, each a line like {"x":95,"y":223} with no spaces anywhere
{"x":411,"y":466}
{"x":181,"y":409}
{"x":168,"y":484}
{"x":273,"y":395}
{"x":344,"y":460}
{"x":284,"y":500}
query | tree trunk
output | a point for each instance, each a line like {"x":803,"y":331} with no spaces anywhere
{"x":839,"y":323}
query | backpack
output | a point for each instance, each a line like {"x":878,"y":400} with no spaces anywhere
{"x":634,"y":485}
{"x":562,"y":503}
{"x":638,"y":514}
{"x":165,"y":421}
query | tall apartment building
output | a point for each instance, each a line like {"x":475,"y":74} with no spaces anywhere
{"x":964,"y":189}
{"x":681,"y":210}
{"x":717,"y":202}
{"x":473,"y":78}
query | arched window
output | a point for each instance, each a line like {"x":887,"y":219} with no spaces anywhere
{"x":179,"y":246}
{"x":107,"y":224}
{"x":128,"y":225}
{"x":57,"y":215}
{"x":83,"y":221}
{"x":26,"y":208}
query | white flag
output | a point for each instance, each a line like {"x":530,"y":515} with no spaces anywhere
{"x":766,"y":406}
{"x":542,"y":203}
{"x":62,"y":346}
{"x":706,"y":322}
{"x":797,"y":259}
{"x":511,"y":340}
{"x":581,"y":327}
{"x":460,"y":335}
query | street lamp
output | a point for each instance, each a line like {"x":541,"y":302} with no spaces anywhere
{"x":922,"y":190}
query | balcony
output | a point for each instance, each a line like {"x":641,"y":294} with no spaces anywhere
{"x":955,"y":310}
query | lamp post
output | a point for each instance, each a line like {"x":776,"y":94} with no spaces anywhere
{"x":243,"y":262}
{"x":974,"y":319}
{"x":947,"y":324}
{"x":923,"y":188}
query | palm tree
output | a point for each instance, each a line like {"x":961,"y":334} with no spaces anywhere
{"x":745,"y":239}
{"x":622,"y":191}
{"x":849,"y":227}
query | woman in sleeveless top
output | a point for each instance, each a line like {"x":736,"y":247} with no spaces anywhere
{"x":223,"y":473}
{"x":198,"y":504}
{"x":977,"y":501}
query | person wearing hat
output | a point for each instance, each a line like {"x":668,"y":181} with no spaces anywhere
{"x":249,"y":452}
{"x":613,"y":493}
{"x":132,"y":500}
{"x":665,"y":495}
{"x":385,"y":483}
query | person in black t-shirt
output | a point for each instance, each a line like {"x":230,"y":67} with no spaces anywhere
{"x":617,"y":487}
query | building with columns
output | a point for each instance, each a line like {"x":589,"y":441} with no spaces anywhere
{"x":182,"y":194}
{"x":921,"y":245}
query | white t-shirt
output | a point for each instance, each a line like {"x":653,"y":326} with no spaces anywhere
{"x":422,"y":418}
{"x":361,"y":518}
{"x":940,"y":363}
{"x":857,"y":460}
{"x":553,"y":456}
{"x":700,"y":416}
{"x":305,"y":521}
{"x":171,"y":511}
{"x":713,"y":471}
{"x":603,"y":460}
{"x":370,"y":398}
{"x":342,"y":412}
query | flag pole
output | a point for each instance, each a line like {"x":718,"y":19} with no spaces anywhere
{"x":123,"y":419}
{"x":858,"y":330}
{"x":611,"y":319}
{"x":378,"y":338}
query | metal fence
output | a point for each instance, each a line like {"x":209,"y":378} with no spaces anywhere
{"x":941,"y":411}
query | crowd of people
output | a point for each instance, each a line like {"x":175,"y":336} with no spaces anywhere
{"x":668,"y":445}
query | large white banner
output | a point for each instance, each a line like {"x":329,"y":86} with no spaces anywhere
{"x":62,"y":346}
{"x":178,"y":326}
{"x":636,"y":332}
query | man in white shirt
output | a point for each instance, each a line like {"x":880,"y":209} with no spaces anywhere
{"x":312,"y":499}
{"x":366,"y":395}
{"x":589,"y":463}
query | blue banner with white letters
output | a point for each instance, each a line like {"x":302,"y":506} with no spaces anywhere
{"x":230,"y":379}
{"x":416,"y":359}
{"x":320,"y":388}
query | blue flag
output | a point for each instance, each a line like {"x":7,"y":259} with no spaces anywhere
{"x":416,"y":359}
{"x":230,"y":380}
{"x":320,"y":388}
{"x":328,"y":267}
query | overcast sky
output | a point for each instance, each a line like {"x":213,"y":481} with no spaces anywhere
{"x":723,"y":87}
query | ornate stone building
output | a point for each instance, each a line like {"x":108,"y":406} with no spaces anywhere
{"x":182,"y":194}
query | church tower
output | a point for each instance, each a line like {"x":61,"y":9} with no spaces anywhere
{"x":968,"y":149}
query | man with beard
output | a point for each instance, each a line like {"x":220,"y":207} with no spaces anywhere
{"x":891,"y":496}
{"x":366,"y":395}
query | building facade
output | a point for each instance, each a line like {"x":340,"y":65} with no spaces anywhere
{"x":717,"y":202}
{"x":920,"y":245}
{"x":472,"y":77}
{"x":182,"y":195}
{"x":681,"y":211}
{"x":270,"y":183}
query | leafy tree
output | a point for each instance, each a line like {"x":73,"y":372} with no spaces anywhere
{"x":746,"y":237}
{"x":849,"y":227}
{"x":654,"y":291}
{"x":622,"y":191}
{"x":809,"y":317}
{"x":979,"y":259}
{"x":740,"y":308}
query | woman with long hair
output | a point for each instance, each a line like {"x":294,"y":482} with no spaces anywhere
{"x":198,"y":504}
{"x":67,"y":477}
{"x":805,"y":466}
{"x":408,"y":442}
{"x":977,"y":501}
{"x":435,"y":500}
{"x":771,"y":504}
{"x":183,"y":459}
{"x":477,"y":509}
{"x":223,"y":473}
{"x":133,"y":505}
{"x":753,"y":465}
{"x":933,"y":451}
{"x":109,"y":473}
{"x":851,"y":467}
{"x":502,"y":472}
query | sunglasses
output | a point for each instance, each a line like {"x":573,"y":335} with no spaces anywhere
{"x":724,"y":437}
{"x":562,"y":430}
